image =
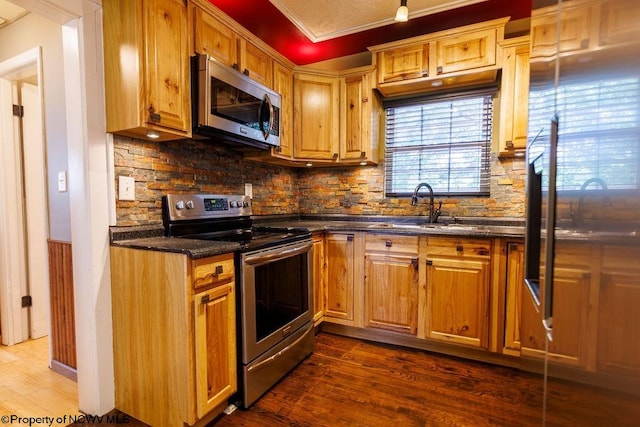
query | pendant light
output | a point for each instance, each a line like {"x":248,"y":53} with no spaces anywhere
{"x":402,"y":14}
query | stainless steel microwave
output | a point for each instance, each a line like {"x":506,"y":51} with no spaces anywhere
{"x":230,"y":106}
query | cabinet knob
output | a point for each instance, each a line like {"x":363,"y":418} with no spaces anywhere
{"x":335,"y":155}
{"x":349,"y":238}
{"x":459,"y":248}
{"x":388,"y":243}
{"x":245,"y":72}
{"x":217,"y":271}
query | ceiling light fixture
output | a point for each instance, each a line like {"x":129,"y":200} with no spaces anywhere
{"x":402,"y":14}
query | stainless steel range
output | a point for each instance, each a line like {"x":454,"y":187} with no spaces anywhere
{"x":274,"y":281}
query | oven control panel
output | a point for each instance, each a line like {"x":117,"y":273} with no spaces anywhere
{"x":204,"y":206}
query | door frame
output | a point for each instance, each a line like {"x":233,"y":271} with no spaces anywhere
{"x":16,"y":247}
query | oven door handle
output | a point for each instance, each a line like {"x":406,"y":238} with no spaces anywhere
{"x":262,"y":257}
{"x":278,"y":354}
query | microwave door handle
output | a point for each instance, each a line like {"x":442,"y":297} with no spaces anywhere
{"x":267,"y":131}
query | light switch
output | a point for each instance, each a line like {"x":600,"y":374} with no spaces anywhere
{"x":126,"y":188}
{"x":62,"y":181}
{"x":248,"y":190}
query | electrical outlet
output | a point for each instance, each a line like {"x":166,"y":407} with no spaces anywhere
{"x":126,"y":188}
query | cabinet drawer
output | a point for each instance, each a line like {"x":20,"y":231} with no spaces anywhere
{"x":213,"y":270}
{"x":403,"y":63}
{"x":457,"y":247}
{"x":391,"y":243}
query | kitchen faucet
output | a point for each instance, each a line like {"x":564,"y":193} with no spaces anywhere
{"x":578,"y":216}
{"x":433,"y":213}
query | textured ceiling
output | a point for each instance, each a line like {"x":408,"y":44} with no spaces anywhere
{"x":328,"y":17}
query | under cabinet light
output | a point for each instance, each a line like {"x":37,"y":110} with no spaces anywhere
{"x":153,"y":134}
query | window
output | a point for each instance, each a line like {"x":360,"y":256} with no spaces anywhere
{"x":444,"y":141}
{"x":598,"y":130}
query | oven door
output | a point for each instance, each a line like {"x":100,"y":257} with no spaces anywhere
{"x":276,"y":295}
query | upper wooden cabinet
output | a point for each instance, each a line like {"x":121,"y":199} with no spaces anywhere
{"x":283,"y":84}
{"x":457,"y":57}
{"x":146,"y":67}
{"x":575,"y":29}
{"x":514,"y":96}
{"x":214,"y":38}
{"x":360,"y":119}
{"x":255,"y":63}
{"x":316,"y":117}
{"x":403,"y":63}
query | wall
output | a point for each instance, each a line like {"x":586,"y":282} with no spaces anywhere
{"x":29,"y":32}
{"x":195,"y":166}
{"x":360,"y":191}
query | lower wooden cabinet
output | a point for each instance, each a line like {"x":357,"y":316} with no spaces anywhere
{"x":319,"y":277}
{"x":514,"y":297}
{"x":571,"y":304}
{"x":340,"y":253}
{"x":618,"y":333}
{"x":458,"y":290}
{"x":391,"y":282}
{"x":174,"y":347}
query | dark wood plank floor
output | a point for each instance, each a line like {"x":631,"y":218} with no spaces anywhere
{"x":349,"y":382}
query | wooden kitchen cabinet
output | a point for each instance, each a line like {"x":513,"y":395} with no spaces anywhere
{"x":255,"y":63}
{"x":146,"y":67}
{"x":403,"y":63}
{"x":316,"y":117}
{"x":571,"y":304}
{"x":468,"y":50}
{"x":391,"y":282}
{"x":457,"y":57}
{"x":341,"y":277}
{"x":360,"y":119}
{"x":514,"y":96}
{"x":458,"y":290}
{"x":174,"y":339}
{"x":214,"y":38}
{"x":319,"y":277}
{"x":283,"y":84}
{"x":618,"y":339}
{"x":575,"y":28}
{"x":514,"y":297}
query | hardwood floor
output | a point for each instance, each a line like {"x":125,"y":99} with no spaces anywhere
{"x":28,"y":388}
{"x":348,"y":382}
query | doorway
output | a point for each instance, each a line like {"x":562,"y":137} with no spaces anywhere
{"x":24,"y":285}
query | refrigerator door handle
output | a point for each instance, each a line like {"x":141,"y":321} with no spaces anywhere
{"x":547,"y":292}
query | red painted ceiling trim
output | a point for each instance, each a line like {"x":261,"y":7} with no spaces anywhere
{"x":265,"y":21}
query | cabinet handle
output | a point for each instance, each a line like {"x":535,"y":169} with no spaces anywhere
{"x":439,"y":69}
{"x":335,"y":155}
{"x":509,"y":144}
{"x":388,"y":243}
{"x":205,"y":299}
{"x":217,"y":271}
{"x":483,"y":252}
{"x":246,"y":72}
{"x":429,"y":262}
{"x":363,"y":154}
{"x":365,"y":99}
{"x":459,"y":248}
{"x":414,"y":262}
{"x":349,"y":238}
{"x":235,"y":66}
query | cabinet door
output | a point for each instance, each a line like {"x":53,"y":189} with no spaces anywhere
{"x":215,"y":347}
{"x":356,"y":141}
{"x":618,"y":342}
{"x":319,"y":278}
{"x":515,"y":287}
{"x":340,"y":276}
{"x":467,"y":51}
{"x":619,"y":22}
{"x":403,"y":63}
{"x":256,"y":63}
{"x":459,"y":297}
{"x":571,"y":302}
{"x":514,"y":97}
{"x":391,"y":292}
{"x":316,"y":117}
{"x":167,"y":64}
{"x":283,"y":84}
{"x":214,"y":38}
{"x":575,"y":31}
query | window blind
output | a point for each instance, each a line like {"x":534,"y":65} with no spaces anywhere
{"x":598,"y":132}
{"x":444,"y":141}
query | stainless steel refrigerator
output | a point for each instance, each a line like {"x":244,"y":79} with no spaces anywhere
{"x":580,"y":324}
